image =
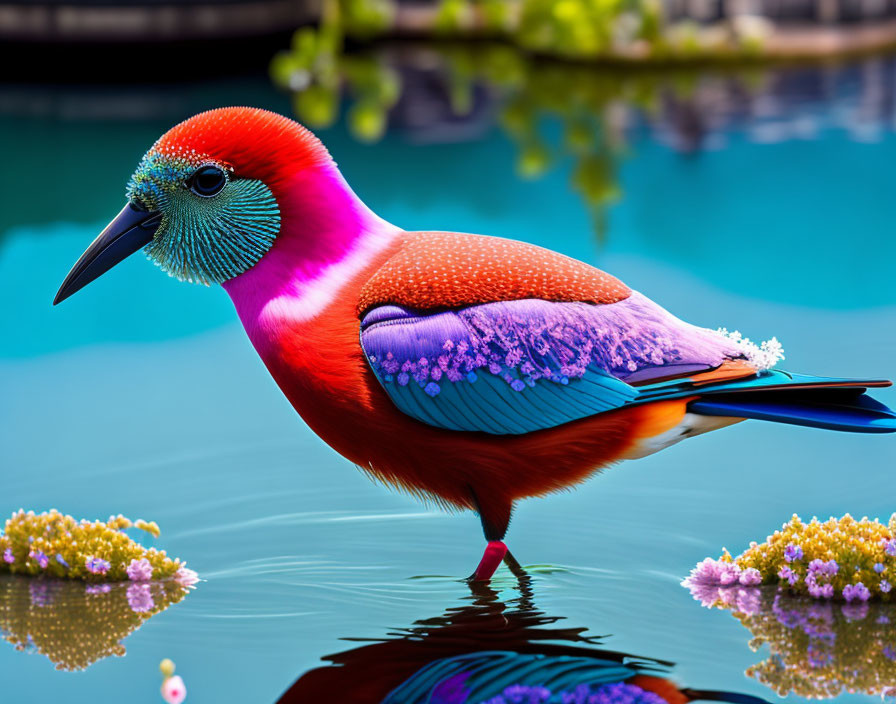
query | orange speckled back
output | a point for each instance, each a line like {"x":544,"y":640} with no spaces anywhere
{"x":452,"y":270}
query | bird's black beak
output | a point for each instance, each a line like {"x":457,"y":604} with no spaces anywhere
{"x":131,"y":229}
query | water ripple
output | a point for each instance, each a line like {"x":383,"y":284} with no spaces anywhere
{"x":305,"y":518}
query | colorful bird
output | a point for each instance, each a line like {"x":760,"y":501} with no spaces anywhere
{"x":469,"y":370}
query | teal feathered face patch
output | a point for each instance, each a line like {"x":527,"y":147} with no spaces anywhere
{"x":214,"y":226}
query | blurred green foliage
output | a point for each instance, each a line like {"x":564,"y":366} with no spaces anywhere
{"x":590,"y":105}
{"x":576,"y":29}
{"x":315,"y":70}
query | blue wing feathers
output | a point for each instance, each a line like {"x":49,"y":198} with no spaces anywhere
{"x":520,"y":366}
{"x":492,"y":406}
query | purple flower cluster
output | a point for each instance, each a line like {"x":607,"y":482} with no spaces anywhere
{"x":819,"y":572}
{"x":40,"y":557}
{"x":793,"y":552}
{"x":615,"y":693}
{"x":890,"y":547}
{"x":858,"y":591}
{"x":822,"y":568}
{"x":788,"y":574}
{"x":97,"y":565}
{"x":8,"y":557}
{"x":139,"y":570}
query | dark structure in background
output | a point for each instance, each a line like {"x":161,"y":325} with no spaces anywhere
{"x":94,"y":41}
{"x":147,"y":20}
{"x":117,"y":21}
{"x":784,"y":11}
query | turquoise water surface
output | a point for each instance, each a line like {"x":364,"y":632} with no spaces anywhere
{"x":142,"y":395}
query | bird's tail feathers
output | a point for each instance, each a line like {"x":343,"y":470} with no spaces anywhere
{"x":817,"y":402}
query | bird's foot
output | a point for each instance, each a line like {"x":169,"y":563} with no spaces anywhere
{"x":515,"y":567}
{"x":491,"y":558}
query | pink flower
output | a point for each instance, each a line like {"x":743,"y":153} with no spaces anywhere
{"x":140,"y":570}
{"x":729,"y":573}
{"x":185,"y":577}
{"x":705,"y":573}
{"x":713,"y":573}
{"x":173,"y":690}
{"x":750,"y":577}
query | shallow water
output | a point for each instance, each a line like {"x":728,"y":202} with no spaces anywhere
{"x":141,"y":395}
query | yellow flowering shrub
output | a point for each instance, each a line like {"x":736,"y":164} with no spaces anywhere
{"x":56,"y":545}
{"x":853,"y":552}
{"x":819,"y":646}
{"x":838,"y":558}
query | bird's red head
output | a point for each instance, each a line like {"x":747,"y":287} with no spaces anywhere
{"x":251,"y":142}
{"x":211,"y":196}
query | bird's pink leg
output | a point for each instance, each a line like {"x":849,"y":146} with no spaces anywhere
{"x":491,"y":558}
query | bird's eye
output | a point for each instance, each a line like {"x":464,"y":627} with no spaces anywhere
{"x":207,"y":181}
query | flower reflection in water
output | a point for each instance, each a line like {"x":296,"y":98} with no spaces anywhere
{"x":75,"y":624}
{"x":817,"y":649}
{"x":490,"y":651}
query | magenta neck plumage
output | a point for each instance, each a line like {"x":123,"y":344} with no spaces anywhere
{"x":325,"y":232}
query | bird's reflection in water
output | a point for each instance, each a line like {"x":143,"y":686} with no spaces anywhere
{"x":75,"y":624}
{"x":493,"y":652}
{"x":817,"y":648}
